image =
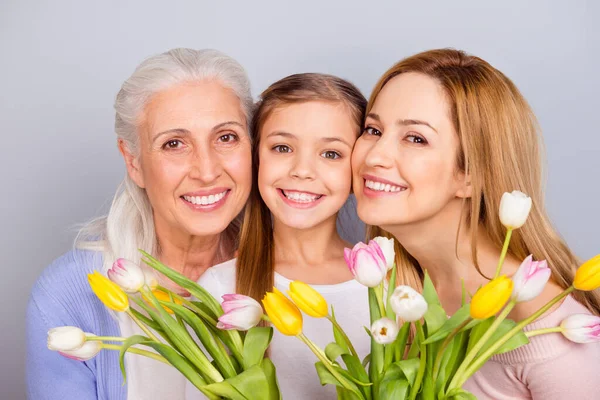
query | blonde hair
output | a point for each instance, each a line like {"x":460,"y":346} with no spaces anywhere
{"x":500,"y":150}
{"x":255,"y":263}
{"x":129,"y":225}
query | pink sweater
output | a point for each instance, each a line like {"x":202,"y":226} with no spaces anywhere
{"x":550,"y":367}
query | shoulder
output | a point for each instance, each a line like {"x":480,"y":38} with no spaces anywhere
{"x":62,"y":292}
{"x":219,"y":279}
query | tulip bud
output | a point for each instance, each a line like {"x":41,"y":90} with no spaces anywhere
{"x":387,"y":248}
{"x":384,"y":330}
{"x":408,"y":304}
{"x":587,"y":276}
{"x":284,"y":314}
{"x":581,"y":328}
{"x":88,"y":350}
{"x":240,"y":312}
{"x":491,"y":297}
{"x":530,"y":279}
{"x":65,"y":338}
{"x":514,"y":209}
{"x":108,"y":292}
{"x":367,"y":263}
{"x":127,"y":274}
{"x":308,"y":299}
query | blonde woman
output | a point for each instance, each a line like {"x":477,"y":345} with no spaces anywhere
{"x":445,"y":135}
{"x":182,"y":127}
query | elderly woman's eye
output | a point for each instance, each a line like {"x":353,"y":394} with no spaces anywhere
{"x":173,"y":144}
{"x":228,"y":138}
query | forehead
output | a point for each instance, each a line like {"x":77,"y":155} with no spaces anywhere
{"x":195,"y":104}
{"x":412,"y":96}
{"x":312,"y":120}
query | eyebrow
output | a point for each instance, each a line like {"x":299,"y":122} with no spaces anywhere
{"x":324,"y":139}
{"x":182,"y":131}
{"x":403,"y":122}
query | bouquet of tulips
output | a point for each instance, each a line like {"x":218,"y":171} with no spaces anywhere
{"x":442,"y":352}
{"x":224,"y":361}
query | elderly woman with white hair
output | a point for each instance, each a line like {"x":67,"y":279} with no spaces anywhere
{"x":182,"y":126}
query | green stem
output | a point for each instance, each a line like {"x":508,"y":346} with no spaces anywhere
{"x":141,"y":352}
{"x":504,"y":251}
{"x":480,"y":343}
{"x":543,"y":331}
{"x":422,"y":364}
{"x":189,"y":305}
{"x":489,"y":352}
{"x":440,"y":354}
{"x":106,"y":338}
{"x":323,"y":358}
{"x":379,"y":296}
{"x":346,"y":339}
{"x":147,"y":331}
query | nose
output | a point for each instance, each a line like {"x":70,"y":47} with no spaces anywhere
{"x":303,"y":167}
{"x":380,"y":154}
{"x":206,"y":165}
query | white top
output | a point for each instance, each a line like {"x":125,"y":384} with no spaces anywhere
{"x":294,"y":362}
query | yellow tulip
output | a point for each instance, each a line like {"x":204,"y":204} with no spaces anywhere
{"x":162,"y":296}
{"x":108,"y":292}
{"x":587,"y":276}
{"x":308,"y":299}
{"x":284,"y":314}
{"x":491,"y":297}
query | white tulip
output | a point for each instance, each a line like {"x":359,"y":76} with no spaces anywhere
{"x":384,"y":331}
{"x":387,"y":247}
{"x":65,"y":338}
{"x":127,"y":274}
{"x":88,"y":350}
{"x":408,"y":304}
{"x":514,"y":209}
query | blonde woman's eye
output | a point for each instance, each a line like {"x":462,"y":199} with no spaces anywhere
{"x":369,"y":130}
{"x":416,"y":139}
{"x":282,"y":148}
{"x":228,"y":138}
{"x":172,"y":144}
{"x":332,"y":155}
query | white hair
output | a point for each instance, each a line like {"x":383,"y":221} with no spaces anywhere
{"x":129,"y":225}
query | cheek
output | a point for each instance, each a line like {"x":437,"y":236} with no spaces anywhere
{"x":358,"y":155}
{"x":338,"y":178}
{"x":239,"y":167}
{"x":164,"y":172}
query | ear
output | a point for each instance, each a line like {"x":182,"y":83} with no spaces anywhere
{"x":465,"y":189}
{"x":132,"y":163}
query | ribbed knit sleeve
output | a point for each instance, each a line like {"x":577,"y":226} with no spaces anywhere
{"x":61,"y":296}
{"x":550,"y":367}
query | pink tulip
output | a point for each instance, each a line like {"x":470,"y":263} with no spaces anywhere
{"x":530,"y":279}
{"x":581,"y":328}
{"x":127,"y":274}
{"x":367,"y":263}
{"x":240,"y":312}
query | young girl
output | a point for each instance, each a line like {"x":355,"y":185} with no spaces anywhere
{"x":445,"y":135}
{"x":303,"y":133}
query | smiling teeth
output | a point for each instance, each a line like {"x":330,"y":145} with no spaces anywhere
{"x":301,"y":197}
{"x":383,"y":187}
{"x":205,"y":200}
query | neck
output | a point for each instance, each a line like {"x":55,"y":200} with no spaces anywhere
{"x":306,"y":247}
{"x":446,"y":253}
{"x":187,"y":254}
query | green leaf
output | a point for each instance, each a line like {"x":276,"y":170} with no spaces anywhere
{"x":325,"y":377}
{"x":147,"y":321}
{"x":429,"y":291}
{"x":343,"y":394}
{"x":333,"y":351}
{"x":435,"y":318}
{"x":218,"y":353}
{"x":358,"y":371}
{"x":391,"y":287}
{"x":409,"y":369}
{"x":460,"y":394}
{"x":337,"y":334}
{"x":271,"y":375}
{"x":453,"y":355}
{"x":518,"y":340}
{"x":130,"y":341}
{"x":478,"y":331}
{"x":450,"y":325}
{"x":256,"y":343}
{"x":400,"y":343}
{"x":377,"y":352}
{"x":394,"y":384}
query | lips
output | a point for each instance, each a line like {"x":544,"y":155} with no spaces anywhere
{"x":205,"y":200}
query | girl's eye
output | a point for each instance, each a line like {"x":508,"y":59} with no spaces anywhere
{"x":172,"y":144}
{"x":228,"y":138}
{"x":282,"y":148}
{"x":371,"y":131}
{"x":330,"y":154}
{"x":416,"y":139}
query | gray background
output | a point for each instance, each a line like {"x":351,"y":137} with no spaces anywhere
{"x":61,"y":64}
